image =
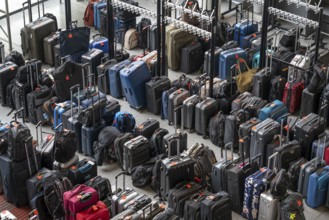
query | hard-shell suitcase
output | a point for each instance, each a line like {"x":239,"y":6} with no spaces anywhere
{"x":175,"y":100}
{"x":320,"y":147}
{"x":191,"y":58}
{"x":217,"y":206}
{"x":111,"y":108}
{"x":94,"y":58}
{"x":49,"y":43}
{"x":292,"y":95}
{"x":114,"y":79}
{"x":203,"y":112}
{"x":9,"y":97}
{"x":179,"y":194}
{"x":192,"y":210}
{"x":170,"y":142}
{"x":154,"y":89}
{"x":268,"y":206}
{"x":82,"y":171}
{"x":207,"y":61}
{"x":245,"y":131}
{"x":147,"y":128}
{"x":229,"y":58}
{"x":274,"y":110}
{"x":7,"y":73}
{"x":307,"y":129}
{"x":102,"y":186}
{"x":310,"y":102}
{"x":244,"y":28}
{"x":152,"y":37}
{"x":99,"y":42}
{"x":133,"y":80}
{"x":318,"y":188}
{"x":19,"y":93}
{"x":98,"y":6}
{"x":45,"y":147}
{"x":88,"y":136}
{"x":95,"y":212}
{"x":59,"y":111}
{"x":165,"y":101}
{"x":262,"y":134}
{"x":123,"y":25}
{"x":188,"y":115}
{"x":135,"y":152}
{"x":261,"y":83}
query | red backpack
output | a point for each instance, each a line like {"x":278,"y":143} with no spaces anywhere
{"x":88,"y":17}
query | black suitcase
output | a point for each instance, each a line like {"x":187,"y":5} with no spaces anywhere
{"x":94,"y":58}
{"x":216,"y":207}
{"x":45,"y":147}
{"x":291,"y":122}
{"x":9,"y":96}
{"x":82,"y":172}
{"x":135,"y":152}
{"x":261,"y":83}
{"x":175,"y":100}
{"x":170,"y":142}
{"x":154,"y":89}
{"x":103,"y":69}
{"x":307,"y":129}
{"x":245,"y":135}
{"x":111,"y":108}
{"x":175,"y":169}
{"x":192,"y":210}
{"x":19,"y":93}
{"x":207,"y":61}
{"x":49,"y":44}
{"x":179,"y":194}
{"x":119,"y":146}
{"x":152,"y":37}
{"x":147,"y":128}
{"x":310,"y":103}
{"x":188,"y":114}
{"x":203,"y":112}
{"x":7,"y":74}
{"x":191,"y":58}
{"x":102,"y":185}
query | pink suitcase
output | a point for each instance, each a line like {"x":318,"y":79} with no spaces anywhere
{"x":78,"y":199}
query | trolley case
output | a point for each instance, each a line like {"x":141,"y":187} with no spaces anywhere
{"x":191,"y":58}
{"x":99,"y":42}
{"x":274,"y":110}
{"x":217,"y":206}
{"x":245,"y":131}
{"x":88,"y":136}
{"x":147,"y":128}
{"x":49,"y":44}
{"x":180,"y":194}
{"x":98,"y":6}
{"x":45,"y":147}
{"x":207,"y":61}
{"x":188,"y":115}
{"x":152,"y":37}
{"x":111,"y":108}
{"x":203,"y":112}
{"x":135,"y":152}
{"x":320,"y":147}
{"x":229,"y":58}
{"x":102,"y":186}
{"x":175,"y":100}
{"x":318,"y":188}
{"x":154,"y":89}
{"x":310,"y":102}
{"x":261,"y":83}
{"x":165,"y":101}
{"x":7,"y":73}
{"x":268,"y":206}
{"x":114,"y":79}
{"x":192,"y":209}
{"x":82,"y":172}
{"x":94,"y":58}
{"x":103,"y":69}
{"x":133,"y":80}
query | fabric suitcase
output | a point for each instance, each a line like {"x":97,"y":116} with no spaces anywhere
{"x":207,"y":61}
{"x":192,"y":210}
{"x":19,"y":93}
{"x":274,"y":110}
{"x":101,"y":185}
{"x":320,"y":147}
{"x":82,"y":171}
{"x":49,"y":43}
{"x":89,"y":135}
{"x":189,"y":105}
{"x":176,"y":99}
{"x":217,"y":206}
{"x":45,"y":147}
{"x":165,"y":101}
{"x":318,"y":188}
{"x":7,"y":73}
{"x":154,"y":89}
{"x":114,"y":79}
{"x":147,"y":128}
{"x":99,"y":42}
{"x":135,"y":152}
{"x":229,"y":58}
{"x":310,"y":102}
{"x":94,"y":58}
{"x":171,"y":141}
{"x":133,"y":80}
{"x":191,"y":58}
{"x":203,"y":112}
{"x":245,"y":131}
{"x":78,"y":199}
{"x":268,"y":207}
{"x":96,"y":212}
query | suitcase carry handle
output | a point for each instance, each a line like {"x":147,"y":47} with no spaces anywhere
{"x":96,"y":35}
{"x":64,"y":59}
{"x":124,"y":181}
{"x":273,"y":158}
{"x":58,"y":127}
{"x":21,"y":110}
{"x":104,"y":59}
{"x":71,"y":91}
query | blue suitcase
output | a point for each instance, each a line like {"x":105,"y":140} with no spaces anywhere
{"x":229,"y":58}
{"x":256,"y":60}
{"x":244,"y":29}
{"x":115,"y":81}
{"x":133,"y":80}
{"x":318,"y":188}
{"x":323,"y":142}
{"x":98,"y":6}
{"x":164,"y":102}
{"x":123,"y":25}
{"x":274,"y":110}
{"x":99,"y":42}
{"x":88,"y":136}
{"x":247,"y":40}
{"x":59,"y":111}
{"x":87,"y":102}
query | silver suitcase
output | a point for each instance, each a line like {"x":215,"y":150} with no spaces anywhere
{"x":268,"y":207}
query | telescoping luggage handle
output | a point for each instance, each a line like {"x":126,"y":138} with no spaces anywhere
{"x":118,"y":40}
{"x":251,"y":160}
{"x":21,"y":110}
{"x":71,"y":91}
{"x":124,"y":181}
{"x":23,"y":5}
{"x":285,"y":116}
{"x":37,"y":131}
{"x":26,"y":142}
{"x":179,"y":135}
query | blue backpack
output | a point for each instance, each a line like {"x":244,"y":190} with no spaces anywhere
{"x":124,"y":122}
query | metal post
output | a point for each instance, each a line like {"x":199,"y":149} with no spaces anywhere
{"x":159,"y":3}
{"x":265,"y":24}
{"x":110,"y":28}
{"x":213,"y":43}
{"x":318,"y":36}
{"x":68,"y":15}
{"x":30,"y":10}
{"x":8,"y":27}
{"x":163,"y":39}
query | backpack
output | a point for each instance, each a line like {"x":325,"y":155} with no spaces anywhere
{"x":292,"y":207}
{"x":124,"y":122}
{"x":144,"y":24}
{"x":88,"y":17}
{"x":118,"y":146}
{"x":16,"y":58}
{"x":156,"y":141}
{"x":216,"y":129}
{"x":65,"y":145}
{"x":156,"y":178}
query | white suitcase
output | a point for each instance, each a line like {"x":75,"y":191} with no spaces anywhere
{"x":294,"y":74}
{"x":268,"y":207}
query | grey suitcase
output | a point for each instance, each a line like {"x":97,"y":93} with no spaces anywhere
{"x":152,"y":37}
{"x":268,"y":207}
{"x":176,"y":99}
{"x":49,"y":44}
{"x":207,"y":61}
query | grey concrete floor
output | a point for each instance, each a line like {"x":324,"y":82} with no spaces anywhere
{"x":111,"y":170}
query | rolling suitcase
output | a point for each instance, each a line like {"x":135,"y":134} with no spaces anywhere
{"x":94,"y":58}
{"x":274,"y":110}
{"x":111,"y":108}
{"x":243,"y":29}
{"x":245,"y":131}
{"x":192,"y":209}
{"x":133,"y":80}
{"x":45,"y":147}
{"x":89,"y":136}
{"x":323,"y":144}
{"x":99,"y":42}
{"x":310,"y":102}
{"x":7,"y":74}
{"x":147,"y":128}
{"x":49,"y":44}
{"x":175,"y":100}
{"x":268,"y":206}
{"x":188,"y":115}
{"x":124,"y":25}
{"x":229,"y":58}
{"x":191,"y":58}
{"x":204,"y":110}
{"x":98,"y":6}
{"x":82,"y":171}
{"x":103,"y":69}
{"x":65,"y":166}
{"x":96,"y":211}
{"x":318,"y":188}
{"x":164,"y":102}
{"x":135,"y":152}
{"x":217,"y":206}
{"x":152,"y":37}
{"x":207,"y":61}
{"x":261,"y":83}
{"x":114,"y":79}
{"x":154,"y":89}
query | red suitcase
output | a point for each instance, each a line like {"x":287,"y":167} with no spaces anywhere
{"x":78,"y":199}
{"x":292,"y":95}
{"x":99,"y":211}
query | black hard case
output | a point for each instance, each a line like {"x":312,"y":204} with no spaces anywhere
{"x":310,"y":103}
{"x":203,"y":112}
{"x":94,"y":58}
{"x":189,"y":105}
{"x":147,"y":128}
{"x":245,"y":131}
{"x":216,"y":207}
{"x":7,"y":73}
{"x":49,"y":44}
{"x":82,"y":172}
{"x":176,"y":99}
{"x":191,"y":58}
